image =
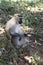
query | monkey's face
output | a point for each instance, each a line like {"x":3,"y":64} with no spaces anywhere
{"x":20,"y":19}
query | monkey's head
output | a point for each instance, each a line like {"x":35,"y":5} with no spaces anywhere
{"x":18,"y":18}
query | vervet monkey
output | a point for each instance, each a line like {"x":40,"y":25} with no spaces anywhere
{"x":14,"y":32}
{"x":13,"y":29}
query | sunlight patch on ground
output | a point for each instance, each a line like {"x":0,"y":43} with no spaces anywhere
{"x":35,"y":9}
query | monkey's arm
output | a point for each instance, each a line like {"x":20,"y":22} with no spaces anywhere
{"x":7,"y":35}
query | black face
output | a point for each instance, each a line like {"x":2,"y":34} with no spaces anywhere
{"x":20,"y":19}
